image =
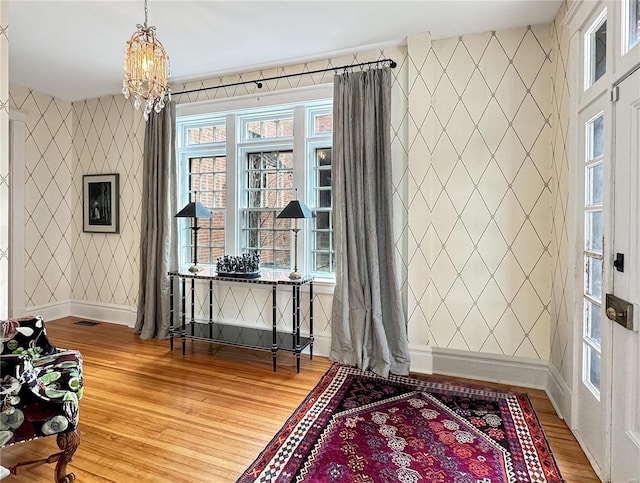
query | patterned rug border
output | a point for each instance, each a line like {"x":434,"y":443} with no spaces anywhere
{"x":425,"y":381}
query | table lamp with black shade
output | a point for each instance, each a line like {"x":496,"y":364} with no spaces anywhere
{"x":195,"y":210}
{"x":295,"y":210}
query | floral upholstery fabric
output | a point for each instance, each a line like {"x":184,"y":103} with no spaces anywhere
{"x":40,"y":385}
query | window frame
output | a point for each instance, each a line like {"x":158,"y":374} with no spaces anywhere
{"x":237,"y":112}
{"x":627,"y":11}
{"x":589,"y":51}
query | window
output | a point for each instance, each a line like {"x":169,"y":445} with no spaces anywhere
{"x":596,"y":51}
{"x":207,"y":183}
{"x":593,"y":253}
{"x":269,"y":189}
{"x":245,"y":165}
{"x":631,"y":27}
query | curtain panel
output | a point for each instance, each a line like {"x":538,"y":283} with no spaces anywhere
{"x":368,"y":326}
{"x":158,"y":227}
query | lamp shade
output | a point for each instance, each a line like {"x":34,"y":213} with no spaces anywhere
{"x":194,"y":209}
{"x":296,"y":209}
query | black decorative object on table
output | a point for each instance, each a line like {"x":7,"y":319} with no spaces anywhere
{"x":246,"y":265}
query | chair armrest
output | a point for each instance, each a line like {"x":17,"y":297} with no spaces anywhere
{"x":16,"y":370}
{"x":14,"y":364}
{"x":25,"y":335}
{"x":59,"y":376}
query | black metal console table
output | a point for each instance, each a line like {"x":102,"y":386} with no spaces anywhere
{"x":255,"y":338}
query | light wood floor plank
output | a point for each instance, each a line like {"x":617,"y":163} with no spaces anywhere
{"x":152,"y":415}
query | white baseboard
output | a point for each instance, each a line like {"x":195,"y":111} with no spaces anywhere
{"x":421,"y":359}
{"x":19,"y":312}
{"x":518,"y":371}
{"x":321,"y":345}
{"x":52,"y":311}
{"x":592,"y":460}
{"x":559,"y":394}
{"x":115,"y":314}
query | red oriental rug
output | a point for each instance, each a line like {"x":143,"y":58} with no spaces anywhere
{"x":358,"y":427}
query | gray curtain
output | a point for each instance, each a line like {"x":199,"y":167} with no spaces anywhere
{"x":368,"y":326}
{"x":158,"y":229}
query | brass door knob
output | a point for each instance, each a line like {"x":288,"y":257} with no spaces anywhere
{"x":611,"y":313}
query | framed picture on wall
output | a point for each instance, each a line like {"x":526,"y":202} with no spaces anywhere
{"x":100,"y":202}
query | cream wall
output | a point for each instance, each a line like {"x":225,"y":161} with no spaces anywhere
{"x":480,"y":193}
{"x":49,"y":197}
{"x":473,"y":179}
{"x":108,"y":137}
{"x":4,"y":160}
{"x":561,"y":298}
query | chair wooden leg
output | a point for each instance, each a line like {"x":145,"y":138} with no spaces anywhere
{"x":68,"y":443}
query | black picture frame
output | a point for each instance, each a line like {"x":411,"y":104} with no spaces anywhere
{"x":100,"y":203}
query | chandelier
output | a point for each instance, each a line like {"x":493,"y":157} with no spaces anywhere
{"x":146,"y":69}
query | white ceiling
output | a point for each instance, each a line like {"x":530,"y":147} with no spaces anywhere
{"x":74,"y":49}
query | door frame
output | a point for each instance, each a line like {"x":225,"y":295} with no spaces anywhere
{"x":579,"y":19}
{"x":17,"y":159}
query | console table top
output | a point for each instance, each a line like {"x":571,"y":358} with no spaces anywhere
{"x":267,"y":277}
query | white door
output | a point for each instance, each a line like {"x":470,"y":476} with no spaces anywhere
{"x":625,"y":353}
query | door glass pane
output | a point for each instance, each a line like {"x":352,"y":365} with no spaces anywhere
{"x":634,"y":22}
{"x":594,"y":185}
{"x":593,"y":224}
{"x":593,"y":240}
{"x":593,"y":367}
{"x":596,"y":138}
{"x":593,"y":321}
{"x":593,"y":278}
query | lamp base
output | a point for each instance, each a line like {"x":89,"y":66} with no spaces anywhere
{"x":295,"y":275}
{"x":196,"y":269}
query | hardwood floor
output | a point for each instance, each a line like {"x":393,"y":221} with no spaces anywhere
{"x":150,"y":414}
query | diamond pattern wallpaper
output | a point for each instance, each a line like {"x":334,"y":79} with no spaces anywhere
{"x":4,"y":160}
{"x":479,"y":192}
{"x":479,"y":180}
{"x":561,"y":301}
{"x":49,"y":231}
{"x":108,"y":137}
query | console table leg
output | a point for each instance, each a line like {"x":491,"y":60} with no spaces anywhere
{"x":183,"y":331}
{"x":274,"y":322}
{"x":210,"y":309}
{"x":171,"y":281}
{"x":193,"y":306}
{"x":311,"y":319}
{"x":296,"y":309}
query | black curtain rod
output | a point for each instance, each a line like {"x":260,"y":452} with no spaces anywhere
{"x":258,"y":82}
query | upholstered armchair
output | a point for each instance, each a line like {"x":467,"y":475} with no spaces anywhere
{"x":40,"y":386}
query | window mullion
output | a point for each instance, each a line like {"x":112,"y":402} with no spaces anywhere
{"x":299,"y":181}
{"x":234,"y":186}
